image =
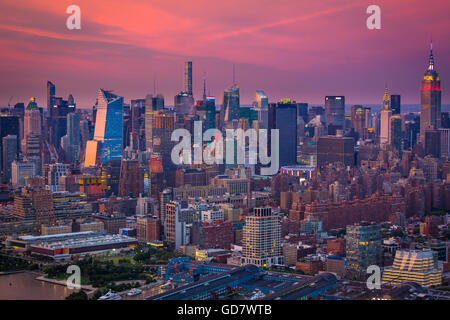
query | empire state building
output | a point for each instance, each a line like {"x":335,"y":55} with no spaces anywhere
{"x":430,"y":99}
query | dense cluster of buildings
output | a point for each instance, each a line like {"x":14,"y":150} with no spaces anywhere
{"x":355,"y":188}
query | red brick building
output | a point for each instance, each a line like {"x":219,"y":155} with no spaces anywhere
{"x":310,"y":267}
{"x":212,"y":236}
{"x":148,"y":229}
{"x":376,"y":208}
{"x":336,"y":247}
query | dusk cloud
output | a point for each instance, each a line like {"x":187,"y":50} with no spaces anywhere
{"x":298,"y":49}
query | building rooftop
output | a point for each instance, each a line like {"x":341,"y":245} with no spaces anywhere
{"x":83,"y":241}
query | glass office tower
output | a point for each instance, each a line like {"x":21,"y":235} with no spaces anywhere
{"x":231,"y":104}
{"x":283,"y":116}
{"x":108,"y":137}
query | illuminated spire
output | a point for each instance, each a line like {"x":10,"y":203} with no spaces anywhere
{"x":32,"y":104}
{"x":386,"y":100}
{"x":431,"y":65}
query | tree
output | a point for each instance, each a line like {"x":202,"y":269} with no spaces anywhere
{"x":342,"y":232}
{"x":397,"y":233}
{"x":80,"y":295}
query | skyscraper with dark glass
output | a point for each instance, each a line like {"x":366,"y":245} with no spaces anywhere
{"x":283,"y":116}
{"x":9,"y":154}
{"x":188,"y":77}
{"x":395,"y":103}
{"x":50,"y":95}
{"x":334,"y":113}
{"x":303,"y":111}
{"x":108,"y":140}
{"x":9,"y":125}
{"x":430,"y":99}
{"x":231,"y":104}
{"x":57,"y":121}
{"x":395,"y":132}
{"x":206,"y":111}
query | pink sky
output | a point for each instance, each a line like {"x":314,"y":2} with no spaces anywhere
{"x":298,"y":49}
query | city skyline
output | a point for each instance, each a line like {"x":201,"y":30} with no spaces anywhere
{"x":41,"y":48}
{"x":224,"y":151}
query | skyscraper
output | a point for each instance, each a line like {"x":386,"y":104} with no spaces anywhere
{"x":396,"y":103}
{"x":155,"y":102}
{"x":430,"y":99}
{"x":231,"y":104}
{"x":174,"y":228}
{"x":107,"y":143}
{"x":166,"y":197}
{"x":303,"y":111}
{"x":445,"y":120}
{"x":57,"y":118}
{"x":445,"y":142}
{"x":50,"y":95}
{"x":385,"y":116}
{"x":71,"y":140}
{"x":334,"y":149}
{"x":137,"y":123}
{"x":395,"y":132}
{"x":358,"y":120}
{"x":432,"y":143}
{"x":334,"y":113}
{"x":184,"y":104}
{"x":262,"y":106}
{"x":184,"y":101}
{"x":32,"y":133}
{"x":206,"y":110}
{"x":9,"y":146}
{"x":32,"y":149}
{"x":158,"y":130}
{"x":283,"y":116}
{"x":412,"y":131}
{"x":32,"y":120}
{"x":262,"y":239}
{"x":188,"y":77}
{"x":363,"y":246}
{"x":9,"y":125}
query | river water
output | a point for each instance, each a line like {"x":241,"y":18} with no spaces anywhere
{"x":24,"y":286}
